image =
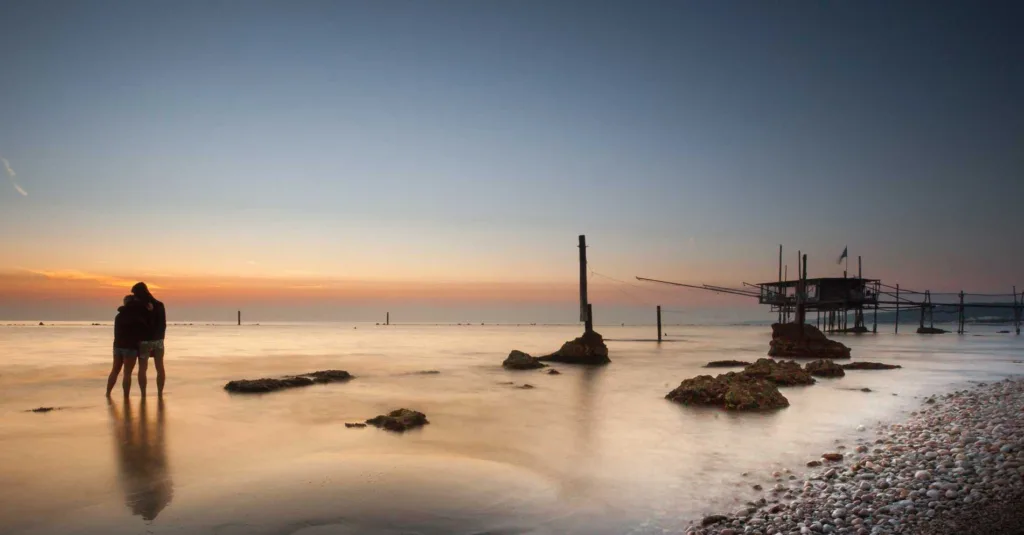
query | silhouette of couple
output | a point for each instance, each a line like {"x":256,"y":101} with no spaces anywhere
{"x":139,"y":329}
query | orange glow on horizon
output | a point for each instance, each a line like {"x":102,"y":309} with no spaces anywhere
{"x":74,"y":285}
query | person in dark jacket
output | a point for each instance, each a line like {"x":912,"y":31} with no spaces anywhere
{"x":153,"y":344}
{"x":130,"y":328}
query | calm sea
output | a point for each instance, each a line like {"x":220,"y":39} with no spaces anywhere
{"x":589,"y":451}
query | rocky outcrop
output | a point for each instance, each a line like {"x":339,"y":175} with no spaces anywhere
{"x":553,"y":371}
{"x":517,"y":360}
{"x":261,"y":386}
{"x":399,"y":420}
{"x":726,"y":364}
{"x":588,"y":349}
{"x":931,"y":330}
{"x":780,"y":372}
{"x":870,"y":366}
{"x":824,"y":368}
{"x":787,"y":342}
{"x":732,"y":391}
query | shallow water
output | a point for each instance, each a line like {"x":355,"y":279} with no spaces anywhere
{"x":587,"y":451}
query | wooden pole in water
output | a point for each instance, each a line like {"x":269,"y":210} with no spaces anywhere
{"x":588,"y":321}
{"x":239,"y":317}
{"x":960,"y":314}
{"x":1017,"y":308}
{"x":897,"y":309}
{"x":659,"y":324}
{"x":859,"y":275}
{"x":387,"y":318}
{"x":780,"y":280}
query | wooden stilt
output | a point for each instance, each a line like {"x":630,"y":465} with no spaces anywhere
{"x":659,"y":323}
{"x":897,"y":309}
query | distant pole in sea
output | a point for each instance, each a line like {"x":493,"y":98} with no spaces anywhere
{"x":897,"y":308}
{"x":239,"y":317}
{"x":659,"y":323}
{"x":387,"y":319}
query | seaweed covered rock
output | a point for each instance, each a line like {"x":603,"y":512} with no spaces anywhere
{"x":870,"y":366}
{"x":787,"y":342}
{"x":931,"y":330}
{"x":726,"y":364}
{"x":824,"y":368}
{"x":780,"y":372}
{"x":588,"y":349}
{"x":732,"y":391}
{"x":517,"y":360}
{"x":260,"y":386}
{"x":399,"y":420}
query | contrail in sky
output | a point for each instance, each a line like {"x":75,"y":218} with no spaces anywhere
{"x":11,"y":174}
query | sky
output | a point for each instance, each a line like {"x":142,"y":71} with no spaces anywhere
{"x":334,"y":160}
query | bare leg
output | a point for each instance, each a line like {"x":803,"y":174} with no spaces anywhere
{"x":114,"y":372}
{"x":129,"y":365}
{"x":143,"y":366}
{"x":158,"y":362}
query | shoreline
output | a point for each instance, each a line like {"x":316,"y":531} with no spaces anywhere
{"x":955,"y":466}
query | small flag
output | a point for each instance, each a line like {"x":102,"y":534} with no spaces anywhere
{"x":842,"y":256}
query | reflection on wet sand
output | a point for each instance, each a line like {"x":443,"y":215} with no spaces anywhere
{"x":142,"y":458}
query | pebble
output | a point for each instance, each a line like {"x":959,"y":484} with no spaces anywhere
{"x":962,"y":449}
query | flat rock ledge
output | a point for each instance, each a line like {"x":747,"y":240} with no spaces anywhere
{"x":262,"y":386}
{"x":732,"y":391}
{"x":824,"y":368}
{"x":787,"y":342}
{"x":955,"y":467}
{"x":517,"y":360}
{"x":727,"y":364}
{"x":870,"y":366}
{"x":931,"y":330}
{"x":588,"y":350}
{"x":399,"y":420}
{"x":780,"y":372}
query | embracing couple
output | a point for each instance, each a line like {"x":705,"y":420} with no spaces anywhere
{"x":139,"y":329}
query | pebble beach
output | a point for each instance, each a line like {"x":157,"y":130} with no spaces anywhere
{"x":956,"y":466}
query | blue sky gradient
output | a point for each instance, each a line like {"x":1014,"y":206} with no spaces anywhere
{"x":432,"y":141}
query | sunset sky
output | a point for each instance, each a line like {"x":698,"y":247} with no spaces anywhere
{"x":333,"y":160}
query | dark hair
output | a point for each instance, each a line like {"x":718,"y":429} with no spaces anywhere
{"x":140,"y":290}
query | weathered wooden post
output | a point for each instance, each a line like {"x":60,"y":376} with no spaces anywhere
{"x":588,"y":321}
{"x":897,"y":308}
{"x":387,"y":318}
{"x":239,"y":317}
{"x":960,"y":315}
{"x":659,"y":323}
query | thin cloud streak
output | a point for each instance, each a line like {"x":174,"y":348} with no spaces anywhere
{"x":11,"y":174}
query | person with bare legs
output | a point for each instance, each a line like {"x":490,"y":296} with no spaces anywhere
{"x":130,"y":327}
{"x":153,"y":344}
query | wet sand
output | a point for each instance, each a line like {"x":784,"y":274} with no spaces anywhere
{"x":587,"y":451}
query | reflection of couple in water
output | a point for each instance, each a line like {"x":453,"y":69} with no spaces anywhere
{"x":142,"y":458}
{"x":139,"y":329}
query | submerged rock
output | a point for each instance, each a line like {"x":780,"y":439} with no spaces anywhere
{"x":588,"y":349}
{"x":259,"y":386}
{"x":787,"y":342}
{"x":357,"y":425}
{"x":526,"y":386}
{"x":726,"y":364}
{"x":870,"y":366}
{"x":517,"y":360}
{"x":553,"y":371}
{"x":931,"y":330}
{"x":399,"y":420}
{"x":824,"y":368}
{"x":44,"y":409}
{"x":780,"y":372}
{"x":733,"y":391}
